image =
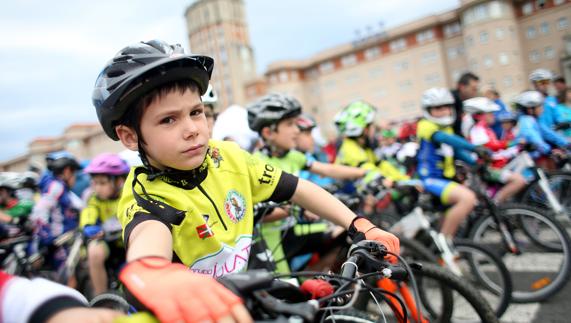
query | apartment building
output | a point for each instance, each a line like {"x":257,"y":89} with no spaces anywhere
{"x":218,"y":28}
{"x":501,"y":41}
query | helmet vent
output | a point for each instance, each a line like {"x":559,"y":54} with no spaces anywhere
{"x":122,"y":58}
{"x":115,"y":73}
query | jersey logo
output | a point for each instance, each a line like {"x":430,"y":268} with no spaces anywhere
{"x":227,"y":260}
{"x":268,"y":175}
{"x":205,"y":230}
{"x":215,"y":156}
{"x":235,"y":206}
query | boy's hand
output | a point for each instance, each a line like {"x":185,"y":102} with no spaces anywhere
{"x":371,"y":232}
{"x":174,"y":294}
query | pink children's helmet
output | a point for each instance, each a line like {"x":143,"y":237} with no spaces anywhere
{"x":108,"y":164}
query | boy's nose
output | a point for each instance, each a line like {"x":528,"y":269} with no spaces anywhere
{"x":190,"y":128}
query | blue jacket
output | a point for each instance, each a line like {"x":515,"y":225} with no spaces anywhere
{"x":563,"y":114}
{"x":547,"y":118}
{"x":497,"y":126}
{"x":539,"y":134}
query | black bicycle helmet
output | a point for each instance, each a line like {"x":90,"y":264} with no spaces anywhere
{"x":270,"y":109}
{"x":139,"y":68}
{"x":58,"y":165}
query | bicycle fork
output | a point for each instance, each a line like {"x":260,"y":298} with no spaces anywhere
{"x":551,"y":199}
{"x":407,"y":298}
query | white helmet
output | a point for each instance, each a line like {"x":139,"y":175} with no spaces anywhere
{"x":540,"y":74}
{"x":436,"y":97}
{"x":480,"y":105}
{"x":210,"y":97}
{"x":10,"y":180}
{"x":529,"y":99}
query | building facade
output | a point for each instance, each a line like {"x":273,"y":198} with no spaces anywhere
{"x":501,"y":41}
{"x":218,"y":28}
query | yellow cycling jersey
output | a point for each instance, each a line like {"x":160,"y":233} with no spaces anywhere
{"x":215,"y":235}
{"x":352,"y":154}
{"x":434,"y":160}
{"x":98,"y":211}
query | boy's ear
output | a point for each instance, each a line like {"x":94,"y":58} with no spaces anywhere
{"x":265,"y":133}
{"x":128,"y":137}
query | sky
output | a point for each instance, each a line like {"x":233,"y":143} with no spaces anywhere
{"x":52,"y":51}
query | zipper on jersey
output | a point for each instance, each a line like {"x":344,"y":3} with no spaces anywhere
{"x":215,"y":208}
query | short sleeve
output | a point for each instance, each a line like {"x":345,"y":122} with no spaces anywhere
{"x":90,"y":214}
{"x":268,"y":182}
{"x":425,"y":130}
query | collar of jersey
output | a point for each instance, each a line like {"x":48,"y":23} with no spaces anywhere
{"x":269,"y":151}
{"x":185,"y":179}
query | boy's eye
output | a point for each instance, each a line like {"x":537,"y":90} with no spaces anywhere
{"x":196,"y":112}
{"x":167,"y":120}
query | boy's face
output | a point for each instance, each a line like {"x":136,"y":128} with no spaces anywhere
{"x":507,"y":125}
{"x":285,"y":135}
{"x":542,"y":86}
{"x":441,"y":111}
{"x":537,"y":111}
{"x":68,"y":176}
{"x":103,"y":186}
{"x":305,"y":141}
{"x":489,"y":118}
{"x":175,"y":130}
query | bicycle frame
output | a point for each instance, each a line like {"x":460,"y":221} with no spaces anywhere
{"x":524,"y":161}
{"x":407,"y":298}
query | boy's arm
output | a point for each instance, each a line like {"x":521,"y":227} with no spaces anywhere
{"x":41,"y":211}
{"x":337,"y":171}
{"x":89,"y":214}
{"x":530,"y":134}
{"x":553,"y":137}
{"x":455,"y":141}
{"x":320,"y":202}
{"x":150,"y":239}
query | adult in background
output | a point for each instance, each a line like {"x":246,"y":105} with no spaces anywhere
{"x":466,"y":88}
{"x":541,"y":81}
{"x":560,"y":86}
{"x":494,"y":96}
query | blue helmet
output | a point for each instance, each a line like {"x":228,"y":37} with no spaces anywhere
{"x":507,"y":116}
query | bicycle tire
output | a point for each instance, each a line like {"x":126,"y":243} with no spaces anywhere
{"x":530,"y":254}
{"x":500,"y":286}
{"x":448,"y":280}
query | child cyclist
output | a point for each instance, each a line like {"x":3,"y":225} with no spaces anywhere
{"x":275,"y":118}
{"x":530,"y":105}
{"x":57,"y":210}
{"x":108,"y":173}
{"x":482,"y":111}
{"x":306,"y":144}
{"x":438,"y":148}
{"x":192,"y":201}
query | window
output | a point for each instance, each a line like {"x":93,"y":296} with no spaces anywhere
{"x":504,"y":59}
{"x":456,"y":75}
{"x":549,"y":52}
{"x":375,"y":72}
{"x":452,"y":29}
{"x":558,"y":2}
{"x":544,"y":28}
{"x":425,"y":36}
{"x":405,"y":85}
{"x":562,"y":23}
{"x":432,"y":79}
{"x":352,"y":79}
{"x":326,"y":67}
{"x":397,"y":45}
{"x":372,"y":52}
{"x":349,"y":60}
{"x":329,"y":85}
{"x":496,"y":9}
{"x":534,"y":56}
{"x":527,"y":9}
{"x":452,"y":52}
{"x":500,"y":33}
{"x":401,"y":66}
{"x":273,"y":79}
{"x":283,"y":76}
{"x":474,"y":65}
{"x":429,"y":57}
{"x":488,"y":62}
{"x":484,"y":37}
{"x":469,"y":41}
{"x":531,"y":32}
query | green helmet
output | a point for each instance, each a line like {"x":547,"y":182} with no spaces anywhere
{"x":354,"y":118}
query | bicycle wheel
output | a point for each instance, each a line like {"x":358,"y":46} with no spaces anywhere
{"x":560,"y":184}
{"x":354,"y":316}
{"x":537,"y":272}
{"x":446,"y":297}
{"x":487,"y":272}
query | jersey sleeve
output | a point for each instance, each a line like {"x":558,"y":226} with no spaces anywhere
{"x":49,"y":200}
{"x":425,"y":130}
{"x":269,"y":182}
{"x":90,"y":213}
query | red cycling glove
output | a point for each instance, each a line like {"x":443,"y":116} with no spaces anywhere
{"x":174,"y":294}
{"x":364,"y":227}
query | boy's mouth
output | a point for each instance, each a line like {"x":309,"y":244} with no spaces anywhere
{"x":193,"y":150}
